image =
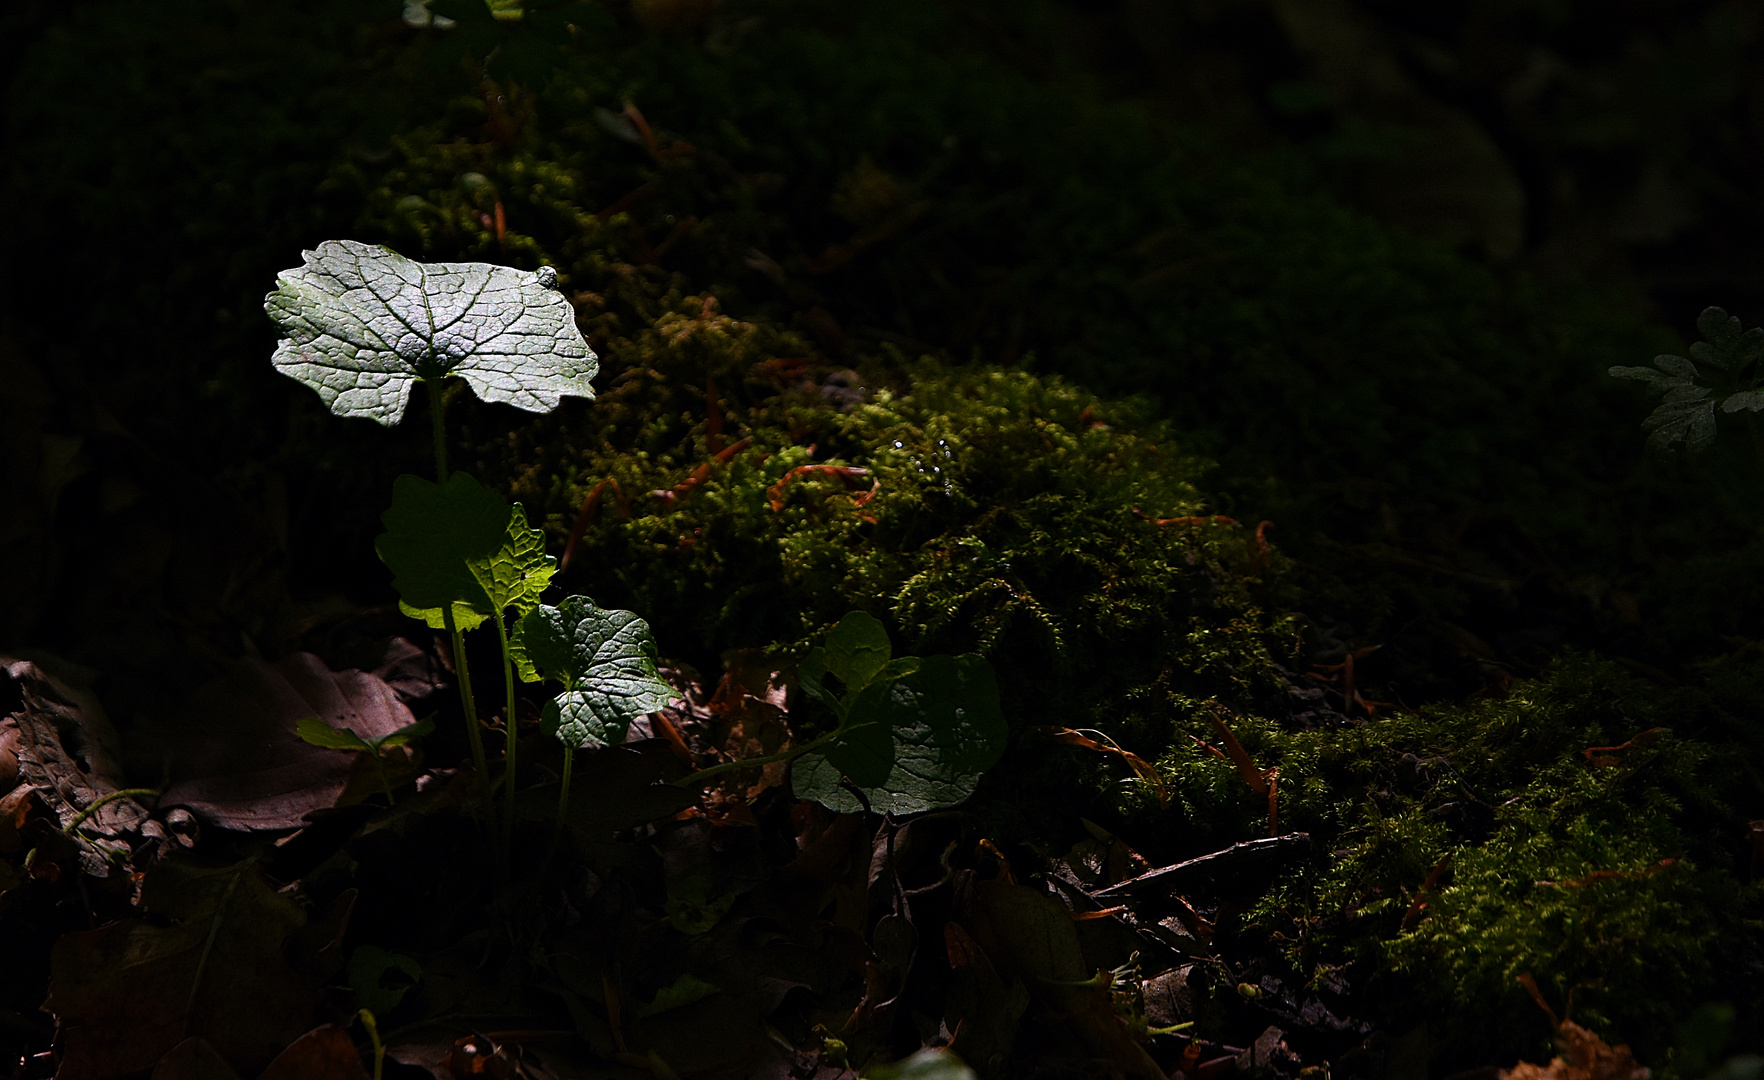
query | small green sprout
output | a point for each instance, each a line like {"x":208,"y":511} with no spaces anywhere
{"x":460,"y":554}
{"x":316,"y":732}
{"x":606,"y":661}
{"x":363,"y":324}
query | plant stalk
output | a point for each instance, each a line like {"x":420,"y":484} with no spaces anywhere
{"x":698,"y":778}
{"x":512,"y":730}
{"x":437,"y":407}
{"x":563,"y":802}
{"x":479,"y":761}
{"x":373,"y":1030}
{"x":563,"y":795}
{"x":99,"y":803}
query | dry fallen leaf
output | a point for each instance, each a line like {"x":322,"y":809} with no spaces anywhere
{"x":1584,"y":1056}
{"x":235,"y":758}
{"x":210,"y":963}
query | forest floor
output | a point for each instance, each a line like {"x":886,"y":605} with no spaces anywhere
{"x":1371,"y":701}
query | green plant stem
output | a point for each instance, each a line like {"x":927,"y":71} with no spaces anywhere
{"x":475,"y":736}
{"x":563,"y":795}
{"x":98,"y":804}
{"x":373,"y":1030}
{"x":437,"y":421}
{"x":385,"y":781}
{"x":563,"y":802}
{"x":699,"y":778}
{"x":512,"y":731}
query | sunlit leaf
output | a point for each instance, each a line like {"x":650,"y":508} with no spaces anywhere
{"x":462,"y":544}
{"x":364,"y":323}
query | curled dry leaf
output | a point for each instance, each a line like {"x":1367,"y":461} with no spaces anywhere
{"x":65,"y":748}
{"x":234,"y":754}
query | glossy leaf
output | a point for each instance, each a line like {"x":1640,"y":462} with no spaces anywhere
{"x":606,"y":661}
{"x":363,"y":324}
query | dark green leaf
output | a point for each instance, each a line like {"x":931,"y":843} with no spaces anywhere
{"x":381,"y":978}
{"x":1690,"y":420}
{"x":809,"y":675}
{"x":1724,"y":371}
{"x":434,"y":535}
{"x":856,"y":650}
{"x":606,"y":661}
{"x":364,"y":323}
{"x":682,"y":991}
{"x":863,"y":747}
{"x":461,"y":543}
{"x":946,"y":729}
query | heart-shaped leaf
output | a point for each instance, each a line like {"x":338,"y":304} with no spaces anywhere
{"x":518,"y":574}
{"x":945,"y":728}
{"x":460,"y":544}
{"x":606,"y":661}
{"x":855,"y":652}
{"x":363,"y":323}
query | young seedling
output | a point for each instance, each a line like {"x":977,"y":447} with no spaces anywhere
{"x":316,"y":732}
{"x":461,"y":555}
{"x":606,"y":662}
{"x":914,"y":733}
{"x":363,"y":324}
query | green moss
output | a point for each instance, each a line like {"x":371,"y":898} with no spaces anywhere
{"x":1606,"y":877}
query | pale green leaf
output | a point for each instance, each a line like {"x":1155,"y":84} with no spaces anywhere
{"x":363,"y":324}
{"x":856,"y":650}
{"x":518,"y":573}
{"x":403,"y":736}
{"x":316,"y":732}
{"x":931,"y":1063}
